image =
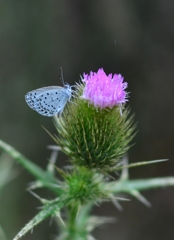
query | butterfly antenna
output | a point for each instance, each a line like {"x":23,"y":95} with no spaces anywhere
{"x":61,"y":76}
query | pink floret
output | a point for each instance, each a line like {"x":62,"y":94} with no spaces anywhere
{"x":104,"y":91}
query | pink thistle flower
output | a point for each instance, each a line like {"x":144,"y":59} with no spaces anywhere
{"x":104,"y":91}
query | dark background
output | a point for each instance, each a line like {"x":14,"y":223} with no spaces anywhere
{"x":134,"y":38}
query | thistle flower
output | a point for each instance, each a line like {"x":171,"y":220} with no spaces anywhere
{"x":96,"y":135}
{"x":104,"y":91}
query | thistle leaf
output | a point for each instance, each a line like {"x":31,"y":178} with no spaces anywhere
{"x":137,"y":164}
{"x":46,"y":178}
{"x":51,"y":208}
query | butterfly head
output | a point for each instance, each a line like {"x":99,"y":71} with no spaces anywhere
{"x":68,"y":89}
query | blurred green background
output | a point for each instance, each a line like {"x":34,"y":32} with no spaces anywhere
{"x":134,"y":38}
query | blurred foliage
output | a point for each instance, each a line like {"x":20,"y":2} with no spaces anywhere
{"x":134,"y":38}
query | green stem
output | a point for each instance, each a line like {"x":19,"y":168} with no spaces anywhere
{"x":77,"y":222}
{"x":72,"y":216}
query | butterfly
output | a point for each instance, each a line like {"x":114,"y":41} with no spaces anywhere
{"x":49,"y":101}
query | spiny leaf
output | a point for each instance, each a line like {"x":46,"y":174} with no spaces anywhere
{"x":45,"y":178}
{"x":140,"y":197}
{"x":137,"y":164}
{"x":52,"y":208}
{"x":139,"y":185}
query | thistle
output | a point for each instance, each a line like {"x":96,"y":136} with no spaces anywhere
{"x":95,"y":129}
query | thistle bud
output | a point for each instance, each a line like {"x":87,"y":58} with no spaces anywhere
{"x":95,"y":129}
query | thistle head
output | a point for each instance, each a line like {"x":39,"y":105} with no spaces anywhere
{"x":91,"y":131}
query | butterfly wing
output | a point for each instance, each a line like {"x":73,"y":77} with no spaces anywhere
{"x":48,"y":101}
